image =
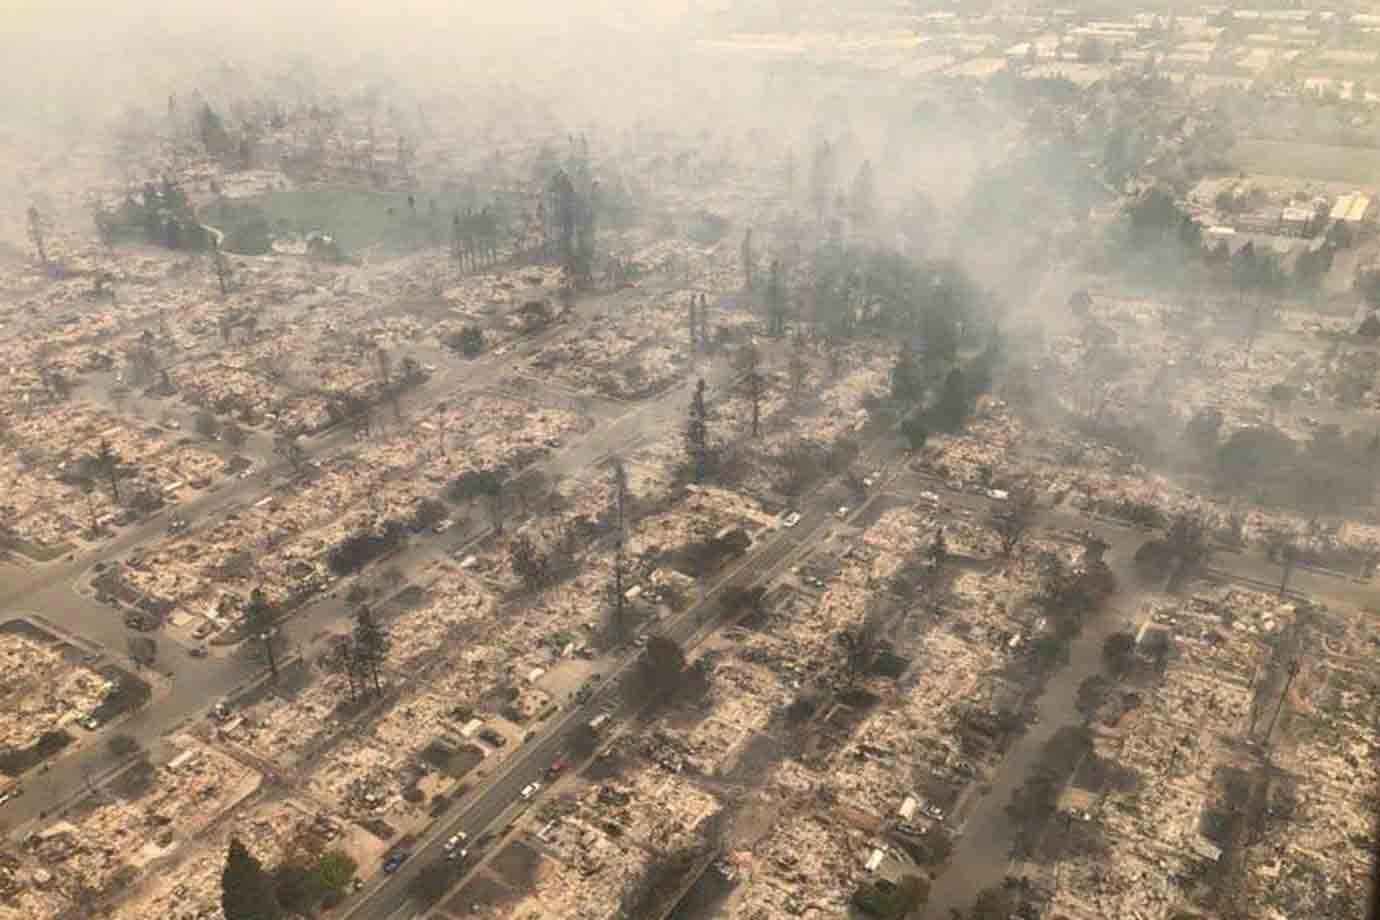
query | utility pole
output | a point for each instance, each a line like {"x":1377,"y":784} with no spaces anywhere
{"x":620,"y":491}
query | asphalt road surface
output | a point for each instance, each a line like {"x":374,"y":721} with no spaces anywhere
{"x":386,"y":897}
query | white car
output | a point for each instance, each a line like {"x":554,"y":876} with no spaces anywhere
{"x":998,"y":495}
{"x":791,"y":519}
{"x":530,"y":790}
{"x":930,"y":497}
{"x":456,"y":841}
{"x":843,"y":511}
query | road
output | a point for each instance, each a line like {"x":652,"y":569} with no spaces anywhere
{"x":48,"y":592}
{"x":980,"y":856}
{"x":386,"y":897}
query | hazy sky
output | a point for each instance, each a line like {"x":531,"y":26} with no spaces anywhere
{"x":85,"y":55}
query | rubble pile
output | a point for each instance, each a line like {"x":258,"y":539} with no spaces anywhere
{"x":1159,"y":825}
{"x":192,"y":889}
{"x":586,"y":878}
{"x":112,"y":838}
{"x":629,"y":355}
{"x":806,"y":864}
{"x":983,"y":449}
{"x":360,"y":779}
{"x":1316,"y":856}
{"x":45,"y":446}
{"x":42,"y":690}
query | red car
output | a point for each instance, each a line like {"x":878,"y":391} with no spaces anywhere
{"x":558,"y":767}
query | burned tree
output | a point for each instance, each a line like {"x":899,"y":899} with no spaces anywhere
{"x":344,"y":660}
{"x":754,"y":383}
{"x":748,"y":261}
{"x":1012,"y":517}
{"x":383,"y":362}
{"x":1288,"y":558}
{"x":370,"y":646}
{"x":220,"y":266}
{"x":694,"y":323}
{"x":697,"y":432}
{"x":619,"y":481}
{"x":38,"y":235}
{"x":862,"y":202}
{"x":528,"y":562}
{"x":108,"y":462}
{"x":798,"y":372}
{"x":776,"y":301}
{"x":290,"y":449}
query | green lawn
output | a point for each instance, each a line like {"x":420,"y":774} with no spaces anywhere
{"x":1359,"y":165}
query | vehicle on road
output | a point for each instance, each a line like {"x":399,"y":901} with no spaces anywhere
{"x":558,"y":766}
{"x":530,"y":790}
{"x":998,"y":495}
{"x":791,"y":519}
{"x":391,"y":864}
{"x":455,"y":847}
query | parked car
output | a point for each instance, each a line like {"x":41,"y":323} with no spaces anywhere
{"x":558,"y":766}
{"x":492,"y":737}
{"x":11,"y":793}
{"x":391,"y":864}
{"x":792,"y":519}
{"x":91,"y":723}
{"x":198,"y":651}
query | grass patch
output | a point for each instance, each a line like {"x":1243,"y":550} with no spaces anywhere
{"x":517,"y":865}
{"x":454,"y":762}
{"x":135,"y":782}
{"x":15,"y":761}
{"x":1332,"y":162}
{"x":478,"y":893}
{"x":35,"y":551}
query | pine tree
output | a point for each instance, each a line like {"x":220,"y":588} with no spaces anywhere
{"x":258,"y":623}
{"x":246,"y":890}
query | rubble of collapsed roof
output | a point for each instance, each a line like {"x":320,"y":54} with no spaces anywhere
{"x":1053,"y":475}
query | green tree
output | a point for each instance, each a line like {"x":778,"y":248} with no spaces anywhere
{"x":246,"y":890}
{"x":259,"y":625}
{"x":334,"y":872}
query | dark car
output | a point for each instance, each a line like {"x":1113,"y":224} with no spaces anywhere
{"x":391,"y":864}
{"x":492,"y":737}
